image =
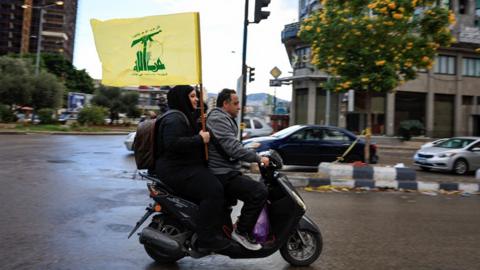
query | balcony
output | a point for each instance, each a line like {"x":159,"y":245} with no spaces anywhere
{"x":290,"y":32}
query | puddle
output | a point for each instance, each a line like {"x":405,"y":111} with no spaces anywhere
{"x":60,"y":161}
{"x":121,"y":228}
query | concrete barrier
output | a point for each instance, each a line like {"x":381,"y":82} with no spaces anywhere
{"x":334,"y":171}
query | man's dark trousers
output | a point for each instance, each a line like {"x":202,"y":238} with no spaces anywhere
{"x":252,"y":193}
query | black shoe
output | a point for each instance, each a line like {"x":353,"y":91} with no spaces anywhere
{"x":213,"y":245}
{"x":246,"y":240}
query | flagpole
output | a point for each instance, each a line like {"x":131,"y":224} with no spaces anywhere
{"x":202,"y":108}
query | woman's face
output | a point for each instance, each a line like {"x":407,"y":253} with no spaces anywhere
{"x":193,"y":99}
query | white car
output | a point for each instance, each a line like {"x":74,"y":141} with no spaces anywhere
{"x":129,"y":141}
{"x":256,"y":127}
{"x":430,"y":144}
{"x":459,"y":155}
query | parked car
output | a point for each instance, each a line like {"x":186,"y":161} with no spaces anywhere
{"x":459,"y":155}
{"x":27,"y":119}
{"x":308,"y":145}
{"x":65,"y":117}
{"x":430,"y":144}
{"x":256,"y":127}
{"x":129,"y":141}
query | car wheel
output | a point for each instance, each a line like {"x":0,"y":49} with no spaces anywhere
{"x":427,"y":169}
{"x":460,"y":166}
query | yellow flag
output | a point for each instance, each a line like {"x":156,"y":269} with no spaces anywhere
{"x":154,"y":50}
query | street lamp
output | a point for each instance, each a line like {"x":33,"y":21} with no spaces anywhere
{"x":40,"y":30}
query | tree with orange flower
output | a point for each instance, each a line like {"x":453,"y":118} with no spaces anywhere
{"x":375,"y":45}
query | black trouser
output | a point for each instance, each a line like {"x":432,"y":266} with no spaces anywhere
{"x":252,"y":193}
{"x":199,"y":185}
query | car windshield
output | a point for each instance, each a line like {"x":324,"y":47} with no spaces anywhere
{"x":285,"y":132}
{"x":455,"y":143}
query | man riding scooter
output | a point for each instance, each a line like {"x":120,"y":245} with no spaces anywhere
{"x":225,"y":153}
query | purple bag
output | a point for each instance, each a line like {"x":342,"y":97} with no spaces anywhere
{"x":262,"y":227}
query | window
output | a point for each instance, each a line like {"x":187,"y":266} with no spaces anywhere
{"x":445,"y":64}
{"x":462,"y":6}
{"x":334,"y":135}
{"x":471,"y":67}
{"x":446,"y":3}
{"x":302,"y":57}
{"x":313,"y":135}
{"x":257,"y":124}
{"x":247,"y":123}
{"x":467,"y":100}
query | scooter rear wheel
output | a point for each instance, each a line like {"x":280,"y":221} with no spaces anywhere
{"x":302,"y":254}
{"x":170,"y":227}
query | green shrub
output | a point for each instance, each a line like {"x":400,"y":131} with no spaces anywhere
{"x":410,"y":128}
{"x":93,"y":115}
{"x":6,"y":115}
{"x":46,"y":116}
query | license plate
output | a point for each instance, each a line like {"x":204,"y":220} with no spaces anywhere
{"x":422,"y":160}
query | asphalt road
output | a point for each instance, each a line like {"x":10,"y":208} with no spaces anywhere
{"x":68,"y":202}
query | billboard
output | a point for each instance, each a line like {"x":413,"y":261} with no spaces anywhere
{"x":76,"y":101}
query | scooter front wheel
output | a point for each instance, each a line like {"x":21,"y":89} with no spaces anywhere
{"x":302,"y":248}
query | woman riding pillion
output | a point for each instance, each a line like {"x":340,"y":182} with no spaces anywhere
{"x":182,"y":166}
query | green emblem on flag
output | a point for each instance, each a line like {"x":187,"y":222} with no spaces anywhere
{"x":143,"y":55}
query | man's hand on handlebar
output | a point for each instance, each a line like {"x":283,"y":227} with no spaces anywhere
{"x":264,"y":161}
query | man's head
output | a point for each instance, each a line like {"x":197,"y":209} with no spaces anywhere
{"x":228,"y":100}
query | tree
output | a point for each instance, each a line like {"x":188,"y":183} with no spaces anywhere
{"x":93,"y":115}
{"x":47,"y":91}
{"x":375,"y":45}
{"x":110,"y":98}
{"x":15,"y":81}
{"x":75,"y":80}
{"x":130,"y":101}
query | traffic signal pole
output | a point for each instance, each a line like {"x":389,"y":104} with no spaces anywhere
{"x":244,"y":70}
{"x":259,"y":15}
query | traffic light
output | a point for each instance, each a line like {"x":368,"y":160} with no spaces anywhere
{"x":251,"y":74}
{"x":259,"y":13}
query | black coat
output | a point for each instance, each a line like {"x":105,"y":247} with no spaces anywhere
{"x":181,"y":147}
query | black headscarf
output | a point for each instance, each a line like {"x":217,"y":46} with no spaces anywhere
{"x":178,"y":99}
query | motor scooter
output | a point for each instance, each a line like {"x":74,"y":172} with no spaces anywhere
{"x":171,"y":235}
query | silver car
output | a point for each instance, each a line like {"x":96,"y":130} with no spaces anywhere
{"x":256,"y":127}
{"x":458,"y":154}
{"x":129,"y":141}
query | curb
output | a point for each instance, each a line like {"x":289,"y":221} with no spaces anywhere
{"x":300,"y":182}
{"x":334,"y":171}
{"x":397,"y":185}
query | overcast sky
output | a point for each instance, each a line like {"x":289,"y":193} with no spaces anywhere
{"x":221,"y":33}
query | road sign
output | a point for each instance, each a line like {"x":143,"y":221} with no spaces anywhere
{"x":275,"y":82}
{"x":276,"y":72}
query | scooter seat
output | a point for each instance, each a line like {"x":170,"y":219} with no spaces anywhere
{"x":157,"y":181}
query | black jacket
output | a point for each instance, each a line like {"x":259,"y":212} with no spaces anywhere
{"x":179,"y":144}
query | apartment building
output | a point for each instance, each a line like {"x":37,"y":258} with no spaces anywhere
{"x":445,"y":99}
{"x":20,"y":21}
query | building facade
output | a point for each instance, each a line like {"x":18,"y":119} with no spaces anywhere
{"x":19,"y":27}
{"x":445,"y":99}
